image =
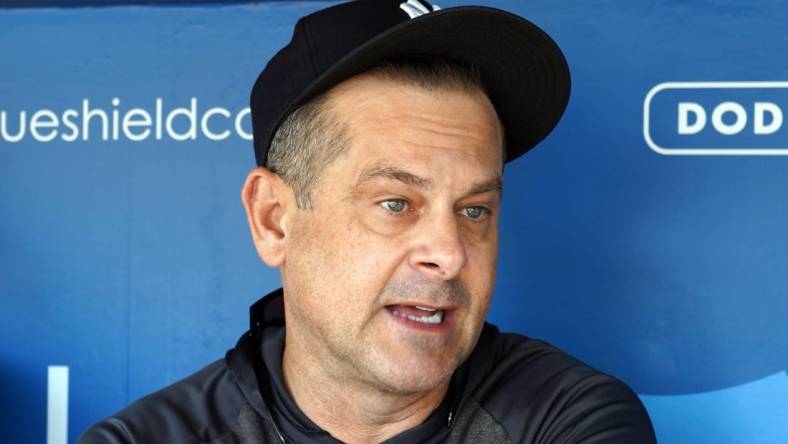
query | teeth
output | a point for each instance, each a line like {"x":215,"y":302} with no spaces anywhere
{"x":436,"y":318}
{"x":426,"y":308}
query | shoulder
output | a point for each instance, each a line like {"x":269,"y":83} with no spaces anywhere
{"x":196,"y":409}
{"x":539,"y":393}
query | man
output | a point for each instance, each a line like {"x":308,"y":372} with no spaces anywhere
{"x":380,"y":134}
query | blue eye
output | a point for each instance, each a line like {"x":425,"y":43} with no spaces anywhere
{"x":395,"y":205}
{"x":475,"y":213}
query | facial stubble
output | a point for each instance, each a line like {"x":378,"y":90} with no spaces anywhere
{"x":362,"y":359}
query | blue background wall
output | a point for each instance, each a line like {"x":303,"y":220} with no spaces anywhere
{"x":130,"y":262}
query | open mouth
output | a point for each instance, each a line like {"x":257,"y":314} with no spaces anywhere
{"x":415,"y":313}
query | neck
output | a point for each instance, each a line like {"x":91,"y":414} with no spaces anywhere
{"x":351,"y":410}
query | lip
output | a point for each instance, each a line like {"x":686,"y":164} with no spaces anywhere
{"x":423,"y":304}
{"x":442,"y":327}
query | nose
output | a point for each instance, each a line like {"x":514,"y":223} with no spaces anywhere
{"x":439,"y":251}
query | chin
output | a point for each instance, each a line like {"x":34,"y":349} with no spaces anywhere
{"x":405,"y":378}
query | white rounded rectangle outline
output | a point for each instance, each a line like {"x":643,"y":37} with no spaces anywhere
{"x":708,"y":151}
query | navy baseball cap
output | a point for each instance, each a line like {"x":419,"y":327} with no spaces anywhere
{"x":523,"y":70}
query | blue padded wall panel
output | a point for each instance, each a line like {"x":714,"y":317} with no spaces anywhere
{"x":129,"y":260}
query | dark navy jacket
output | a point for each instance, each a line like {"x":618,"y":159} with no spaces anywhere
{"x":512,"y":389}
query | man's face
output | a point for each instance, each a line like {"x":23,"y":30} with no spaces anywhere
{"x":389,"y":276}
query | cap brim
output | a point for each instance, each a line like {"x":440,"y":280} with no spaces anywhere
{"x":524,"y":71}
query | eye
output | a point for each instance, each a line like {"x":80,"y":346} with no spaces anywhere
{"x":395,"y":205}
{"x":475,"y":213}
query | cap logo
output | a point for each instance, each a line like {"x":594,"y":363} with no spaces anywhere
{"x":414,"y":8}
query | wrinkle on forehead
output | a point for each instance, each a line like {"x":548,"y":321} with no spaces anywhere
{"x":417,"y":128}
{"x":409,"y":111}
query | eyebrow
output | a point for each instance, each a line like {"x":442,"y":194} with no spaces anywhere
{"x":493,"y":184}
{"x":388,"y":171}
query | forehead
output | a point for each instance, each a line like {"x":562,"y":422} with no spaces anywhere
{"x":394,"y":119}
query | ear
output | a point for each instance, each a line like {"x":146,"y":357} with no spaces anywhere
{"x":266,"y":198}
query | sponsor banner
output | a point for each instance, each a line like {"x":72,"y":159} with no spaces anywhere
{"x":88,"y":122}
{"x":743,"y":118}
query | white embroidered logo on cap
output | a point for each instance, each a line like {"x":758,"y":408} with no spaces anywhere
{"x":414,"y":8}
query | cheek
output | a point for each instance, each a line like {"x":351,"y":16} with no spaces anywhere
{"x":338,"y":258}
{"x":482,"y":251}
{"x":479,"y":275}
